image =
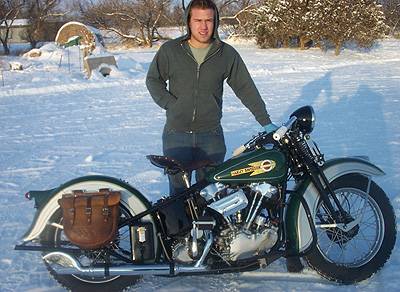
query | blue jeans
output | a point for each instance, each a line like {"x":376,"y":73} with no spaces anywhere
{"x":188,"y":148}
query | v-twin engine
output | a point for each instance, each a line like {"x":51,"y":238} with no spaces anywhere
{"x":247,"y":228}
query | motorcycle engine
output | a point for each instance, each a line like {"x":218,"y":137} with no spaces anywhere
{"x":248,"y":229}
{"x":244,"y":227}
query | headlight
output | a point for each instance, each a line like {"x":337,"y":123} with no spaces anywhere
{"x":305,"y":119}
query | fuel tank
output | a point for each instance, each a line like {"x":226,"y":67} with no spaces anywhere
{"x":267,"y":165}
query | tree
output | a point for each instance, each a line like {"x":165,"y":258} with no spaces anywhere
{"x":271,"y":23}
{"x":38,"y":12}
{"x":391,"y":9}
{"x":135,"y":21}
{"x":236,"y":16}
{"x":276,"y":21}
{"x":302,"y":20}
{"x":345,"y":20}
{"x":9,"y":11}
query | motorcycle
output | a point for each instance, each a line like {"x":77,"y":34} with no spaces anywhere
{"x":276,"y":197}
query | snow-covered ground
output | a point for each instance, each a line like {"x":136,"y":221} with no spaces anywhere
{"x":56,"y":125}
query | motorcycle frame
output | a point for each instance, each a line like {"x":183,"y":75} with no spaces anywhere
{"x":314,"y":174}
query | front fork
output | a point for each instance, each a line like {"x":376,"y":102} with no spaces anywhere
{"x":321,"y":183}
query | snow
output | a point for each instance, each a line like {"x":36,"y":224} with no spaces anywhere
{"x":16,"y":22}
{"x":56,"y":125}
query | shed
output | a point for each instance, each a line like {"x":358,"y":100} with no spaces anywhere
{"x":18,"y":30}
{"x":88,"y":36}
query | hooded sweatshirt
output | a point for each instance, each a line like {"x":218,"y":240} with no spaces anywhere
{"x":191,"y":93}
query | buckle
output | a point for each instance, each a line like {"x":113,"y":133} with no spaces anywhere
{"x":106,"y":211}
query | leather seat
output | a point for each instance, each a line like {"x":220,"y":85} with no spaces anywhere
{"x":172,"y":166}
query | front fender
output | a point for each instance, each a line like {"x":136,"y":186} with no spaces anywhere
{"x":47,"y":201}
{"x":299,"y":234}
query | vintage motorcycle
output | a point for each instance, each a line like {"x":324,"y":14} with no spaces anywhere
{"x":276,"y":197}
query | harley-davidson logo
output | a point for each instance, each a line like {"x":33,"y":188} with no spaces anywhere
{"x":256,"y":168}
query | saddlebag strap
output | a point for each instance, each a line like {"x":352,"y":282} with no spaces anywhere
{"x":88,"y":210}
{"x":90,"y":219}
{"x":71,"y":211}
{"x":106,"y":210}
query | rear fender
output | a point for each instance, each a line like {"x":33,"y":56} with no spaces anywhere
{"x":299,"y":233}
{"x":47,"y":201}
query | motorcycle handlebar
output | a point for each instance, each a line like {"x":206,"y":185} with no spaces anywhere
{"x":276,"y":136}
{"x":239,"y":150}
{"x":284,"y":128}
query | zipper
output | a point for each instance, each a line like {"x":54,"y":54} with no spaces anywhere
{"x":198,"y":74}
{"x":194,"y":102}
{"x":197,"y":79}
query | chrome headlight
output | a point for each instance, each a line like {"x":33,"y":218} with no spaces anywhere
{"x":305,"y":119}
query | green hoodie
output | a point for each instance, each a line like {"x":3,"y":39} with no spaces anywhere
{"x":192,"y":93}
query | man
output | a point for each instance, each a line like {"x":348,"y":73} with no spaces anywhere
{"x":195,"y":67}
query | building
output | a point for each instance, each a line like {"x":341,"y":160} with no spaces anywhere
{"x":18,"y":31}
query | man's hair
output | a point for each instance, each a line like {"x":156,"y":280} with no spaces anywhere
{"x":202,"y":4}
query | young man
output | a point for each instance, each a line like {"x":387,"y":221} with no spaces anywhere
{"x":195,"y":67}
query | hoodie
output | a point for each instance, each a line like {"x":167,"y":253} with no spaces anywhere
{"x":191,"y":93}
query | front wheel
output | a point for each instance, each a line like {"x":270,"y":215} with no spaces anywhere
{"x":356,"y":254}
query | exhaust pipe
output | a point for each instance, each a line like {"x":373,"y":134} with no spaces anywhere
{"x":63,"y":263}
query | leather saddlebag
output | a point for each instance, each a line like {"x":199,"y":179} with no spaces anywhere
{"x":90,"y":219}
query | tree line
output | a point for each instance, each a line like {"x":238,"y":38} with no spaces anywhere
{"x":273,"y":23}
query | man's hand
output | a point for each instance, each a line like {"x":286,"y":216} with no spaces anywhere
{"x":270,"y":128}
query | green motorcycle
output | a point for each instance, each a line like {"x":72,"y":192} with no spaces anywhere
{"x":276,"y":197}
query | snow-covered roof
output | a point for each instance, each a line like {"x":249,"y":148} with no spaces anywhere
{"x":17,"y":22}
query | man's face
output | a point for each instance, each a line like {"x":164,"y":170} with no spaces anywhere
{"x":201,"y":26}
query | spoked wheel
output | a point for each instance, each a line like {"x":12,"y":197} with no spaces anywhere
{"x":352,"y":254}
{"x":54,"y":235}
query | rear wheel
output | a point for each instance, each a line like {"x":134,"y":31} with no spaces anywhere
{"x":54,"y":235}
{"x":356,"y":254}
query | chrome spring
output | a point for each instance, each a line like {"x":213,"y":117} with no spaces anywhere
{"x":305,"y":152}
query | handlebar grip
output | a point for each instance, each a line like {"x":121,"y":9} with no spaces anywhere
{"x":279,"y":133}
{"x":239,"y":150}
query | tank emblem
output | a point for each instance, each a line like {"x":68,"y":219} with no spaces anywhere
{"x":256,"y":168}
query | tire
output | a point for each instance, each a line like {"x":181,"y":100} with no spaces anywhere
{"x":355,"y":255}
{"x":54,"y":235}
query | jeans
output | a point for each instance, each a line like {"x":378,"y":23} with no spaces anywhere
{"x":187,"y":148}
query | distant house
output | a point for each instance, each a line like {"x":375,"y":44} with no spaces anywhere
{"x":17,"y":32}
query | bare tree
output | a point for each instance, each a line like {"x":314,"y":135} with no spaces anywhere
{"x":235,"y":16}
{"x":38,"y":12}
{"x":176,"y":16}
{"x":136,"y":21}
{"x":9,"y":11}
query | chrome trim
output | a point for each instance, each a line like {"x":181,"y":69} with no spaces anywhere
{"x":207,"y":247}
{"x":63,"y":263}
{"x":265,"y":190}
{"x":229,"y":205}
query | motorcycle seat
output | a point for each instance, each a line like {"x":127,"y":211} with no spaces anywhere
{"x":172,"y":166}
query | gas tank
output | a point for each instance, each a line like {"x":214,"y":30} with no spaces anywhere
{"x":266,"y":165}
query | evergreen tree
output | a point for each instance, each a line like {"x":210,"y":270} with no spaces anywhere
{"x":326,"y":21}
